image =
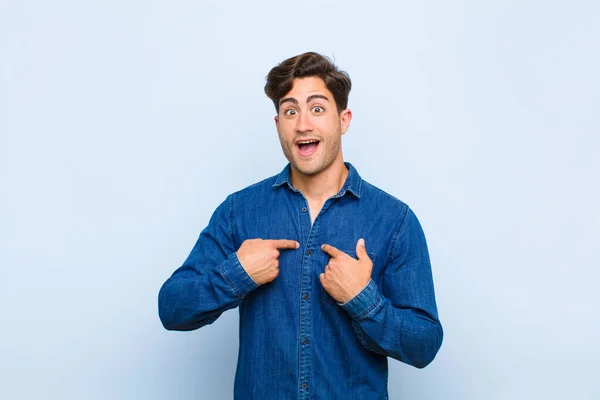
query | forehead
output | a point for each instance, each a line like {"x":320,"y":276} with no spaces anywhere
{"x":304,"y":87}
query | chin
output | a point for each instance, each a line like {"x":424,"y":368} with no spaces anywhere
{"x":309,"y":170}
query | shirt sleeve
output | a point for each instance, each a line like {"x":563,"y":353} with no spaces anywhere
{"x":210,"y":281}
{"x":400,"y":319}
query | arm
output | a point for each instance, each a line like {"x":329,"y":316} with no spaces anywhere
{"x":210,"y":281}
{"x":401,"y":320}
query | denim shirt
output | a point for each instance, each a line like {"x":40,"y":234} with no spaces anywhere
{"x":295,"y":341}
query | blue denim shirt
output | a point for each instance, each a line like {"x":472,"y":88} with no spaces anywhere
{"x":295,"y":341}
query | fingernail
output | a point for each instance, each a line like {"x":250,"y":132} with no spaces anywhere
{"x":361,"y":241}
{"x":297,"y":245}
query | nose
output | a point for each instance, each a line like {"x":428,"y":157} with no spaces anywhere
{"x":304,"y":123}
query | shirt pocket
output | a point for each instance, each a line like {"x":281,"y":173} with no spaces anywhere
{"x":326,"y":297}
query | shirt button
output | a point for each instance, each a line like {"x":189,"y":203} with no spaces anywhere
{"x":305,"y":297}
{"x":304,"y":386}
{"x":309,"y":252}
{"x":303,"y":209}
{"x":304,"y":341}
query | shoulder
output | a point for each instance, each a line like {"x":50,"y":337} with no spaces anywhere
{"x":403,"y":221}
{"x":382,"y":200}
{"x":255,"y":190}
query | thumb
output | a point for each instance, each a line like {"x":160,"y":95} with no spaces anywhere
{"x":361,"y":250}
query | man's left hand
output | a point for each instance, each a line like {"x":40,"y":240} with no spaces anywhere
{"x":345,"y":277}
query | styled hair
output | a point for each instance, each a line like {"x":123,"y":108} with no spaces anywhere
{"x":281,"y":78}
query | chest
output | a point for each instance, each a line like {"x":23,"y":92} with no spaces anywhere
{"x":338,"y":222}
{"x":314,"y":208}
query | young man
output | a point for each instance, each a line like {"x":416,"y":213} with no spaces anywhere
{"x":331,"y":274}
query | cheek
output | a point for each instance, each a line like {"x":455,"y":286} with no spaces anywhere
{"x":285,"y":129}
{"x":285,"y":139}
{"x":332,"y":125}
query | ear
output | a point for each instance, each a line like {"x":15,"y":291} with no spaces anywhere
{"x":345,"y":118}
{"x":276,"y":121}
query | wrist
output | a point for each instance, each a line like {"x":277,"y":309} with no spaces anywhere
{"x":368,"y":300}
{"x":356,"y":290}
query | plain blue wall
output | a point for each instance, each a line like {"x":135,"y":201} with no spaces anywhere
{"x":124,"y":124}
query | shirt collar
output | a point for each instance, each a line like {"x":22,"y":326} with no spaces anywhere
{"x":353,"y":182}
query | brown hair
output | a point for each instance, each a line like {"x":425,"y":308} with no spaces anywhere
{"x":280,"y":79}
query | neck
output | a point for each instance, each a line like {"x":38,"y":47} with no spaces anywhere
{"x":320,"y":187}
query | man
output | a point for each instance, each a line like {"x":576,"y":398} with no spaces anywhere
{"x":331,"y":274}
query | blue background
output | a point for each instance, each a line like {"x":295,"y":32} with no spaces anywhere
{"x":124,"y":124}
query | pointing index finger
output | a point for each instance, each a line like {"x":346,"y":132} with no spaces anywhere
{"x":284,"y":244}
{"x":332,"y":251}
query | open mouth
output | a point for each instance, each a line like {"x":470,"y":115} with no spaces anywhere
{"x":308,"y":147}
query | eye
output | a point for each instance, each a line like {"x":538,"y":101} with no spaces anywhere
{"x":317,"y":109}
{"x":290,"y":112}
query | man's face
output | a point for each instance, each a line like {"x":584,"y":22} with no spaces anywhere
{"x":310,"y":127}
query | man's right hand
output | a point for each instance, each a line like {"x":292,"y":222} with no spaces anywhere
{"x":260,"y":258}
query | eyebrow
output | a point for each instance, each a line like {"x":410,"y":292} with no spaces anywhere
{"x":316,"y":96}
{"x":309,"y":99}
{"x":290,"y":99}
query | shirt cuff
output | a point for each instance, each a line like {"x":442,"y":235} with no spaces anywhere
{"x":364,"y":302}
{"x":236,"y":276}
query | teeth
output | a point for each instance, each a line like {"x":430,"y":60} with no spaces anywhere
{"x":308,"y":141}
